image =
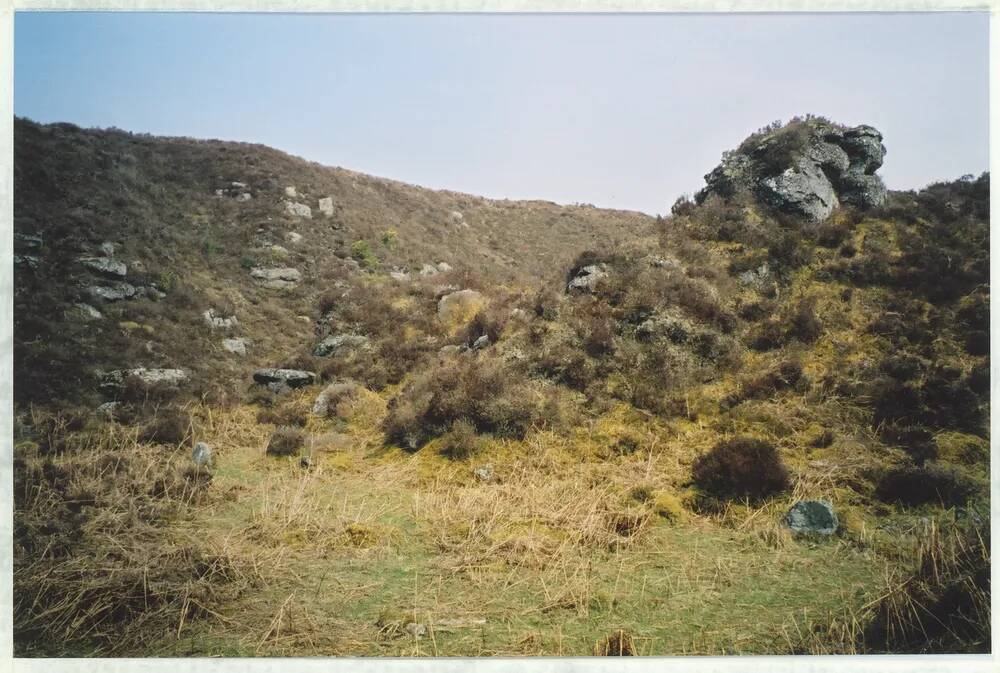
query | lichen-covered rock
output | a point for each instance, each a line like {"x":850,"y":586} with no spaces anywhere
{"x":337,"y":345}
{"x":298,"y":210}
{"x":276,"y":279}
{"x":105,"y":266}
{"x":587,"y":278}
{"x":812,"y":516}
{"x":116,"y":379}
{"x":807,"y":168}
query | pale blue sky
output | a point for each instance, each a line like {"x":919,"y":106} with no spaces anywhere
{"x":624,"y":111}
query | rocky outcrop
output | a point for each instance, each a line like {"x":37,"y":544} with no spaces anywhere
{"x":807,"y":168}
{"x":337,"y":345}
{"x":149,"y":377}
{"x":276,"y":279}
{"x":105,"y":266}
{"x":586,"y":279}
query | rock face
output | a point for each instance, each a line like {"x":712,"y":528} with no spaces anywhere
{"x":806,"y":168}
{"x":276,"y":279}
{"x":293,"y":378}
{"x":339,"y":344}
{"x":298,"y":210}
{"x":586,"y":279}
{"x":812,"y":516}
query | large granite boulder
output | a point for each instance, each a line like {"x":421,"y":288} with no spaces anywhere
{"x":807,"y":168}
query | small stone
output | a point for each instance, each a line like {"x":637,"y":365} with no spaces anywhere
{"x":416,"y":629}
{"x":108,"y":409}
{"x":218,"y":322}
{"x":326,"y":206}
{"x":202,"y":454}
{"x":237,"y":346}
{"x":290,"y":192}
{"x":443,"y":267}
{"x":293,"y":237}
{"x":484,"y":473}
{"x":108,"y":248}
{"x":245,"y":196}
{"x":481,"y":343}
{"x":399,"y":276}
{"x":87,"y":312}
{"x":298,"y":210}
{"x":429,"y":270}
{"x":812,"y":516}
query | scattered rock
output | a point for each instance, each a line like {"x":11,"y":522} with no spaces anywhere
{"x":105,"y":266}
{"x":338,"y":344}
{"x":326,"y":206}
{"x":428,"y":270}
{"x":586,"y":279}
{"x":86,"y":312}
{"x":449,"y":349}
{"x":481,"y":343}
{"x":293,"y":378}
{"x":108,"y":249}
{"x":416,"y":629}
{"x":290,"y":192}
{"x":756,"y":277}
{"x":116,"y":379}
{"x":812,"y":516}
{"x":108,"y":409}
{"x":456,"y":217}
{"x":298,"y":210}
{"x":202,"y":454}
{"x":29,"y":261}
{"x":293,"y":237}
{"x":400,"y":276}
{"x":116,"y":292}
{"x":218,"y":322}
{"x":304,"y":318}
{"x":661,"y":262}
{"x":276,"y":279}
{"x":245,"y":196}
{"x":235,"y":190}
{"x":484,"y":473}
{"x":444,"y":267}
{"x":237,"y":346}
{"x":460,"y":306}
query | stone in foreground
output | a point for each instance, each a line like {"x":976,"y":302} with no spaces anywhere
{"x":812,"y":516}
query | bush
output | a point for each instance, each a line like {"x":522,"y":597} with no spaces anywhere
{"x":913,"y":485}
{"x":170,"y":426}
{"x":488,"y":394}
{"x":285,"y":441}
{"x":460,"y":441}
{"x":362,"y":253}
{"x":742,"y":467}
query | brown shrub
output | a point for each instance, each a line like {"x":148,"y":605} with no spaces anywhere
{"x":169,"y":425}
{"x":285,"y":441}
{"x":741,"y":467}
{"x":461,"y":441}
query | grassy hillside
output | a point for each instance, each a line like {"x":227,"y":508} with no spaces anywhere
{"x":591,"y":451}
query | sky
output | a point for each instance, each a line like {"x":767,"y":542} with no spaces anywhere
{"x":620,"y":111}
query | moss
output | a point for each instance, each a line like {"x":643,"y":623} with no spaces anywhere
{"x":668,"y":506}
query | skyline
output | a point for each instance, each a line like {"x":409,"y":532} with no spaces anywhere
{"x":621,"y":111}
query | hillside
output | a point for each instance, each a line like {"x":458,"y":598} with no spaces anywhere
{"x":758,"y":424}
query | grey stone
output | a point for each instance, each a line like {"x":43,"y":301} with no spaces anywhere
{"x":106,"y":266}
{"x":587,"y":278}
{"x":756,"y":277}
{"x":298,"y":210}
{"x":443,"y":267}
{"x":481,"y":343}
{"x":202,"y":454}
{"x":218,"y":322}
{"x":116,"y":292}
{"x":276,"y":279}
{"x":326,"y":206}
{"x":428,"y":270}
{"x":812,"y":516}
{"x":416,"y":629}
{"x":339,"y":344}
{"x":290,"y":192}
{"x":484,"y":473}
{"x":116,"y":379}
{"x":108,"y":249}
{"x":108,"y":409}
{"x":87,"y":312}
{"x":237,"y":346}
{"x":293,"y":237}
{"x":293,"y":378}
{"x":833,"y":165}
{"x":245,"y":196}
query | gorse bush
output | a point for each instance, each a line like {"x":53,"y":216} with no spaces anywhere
{"x":741,"y":467}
